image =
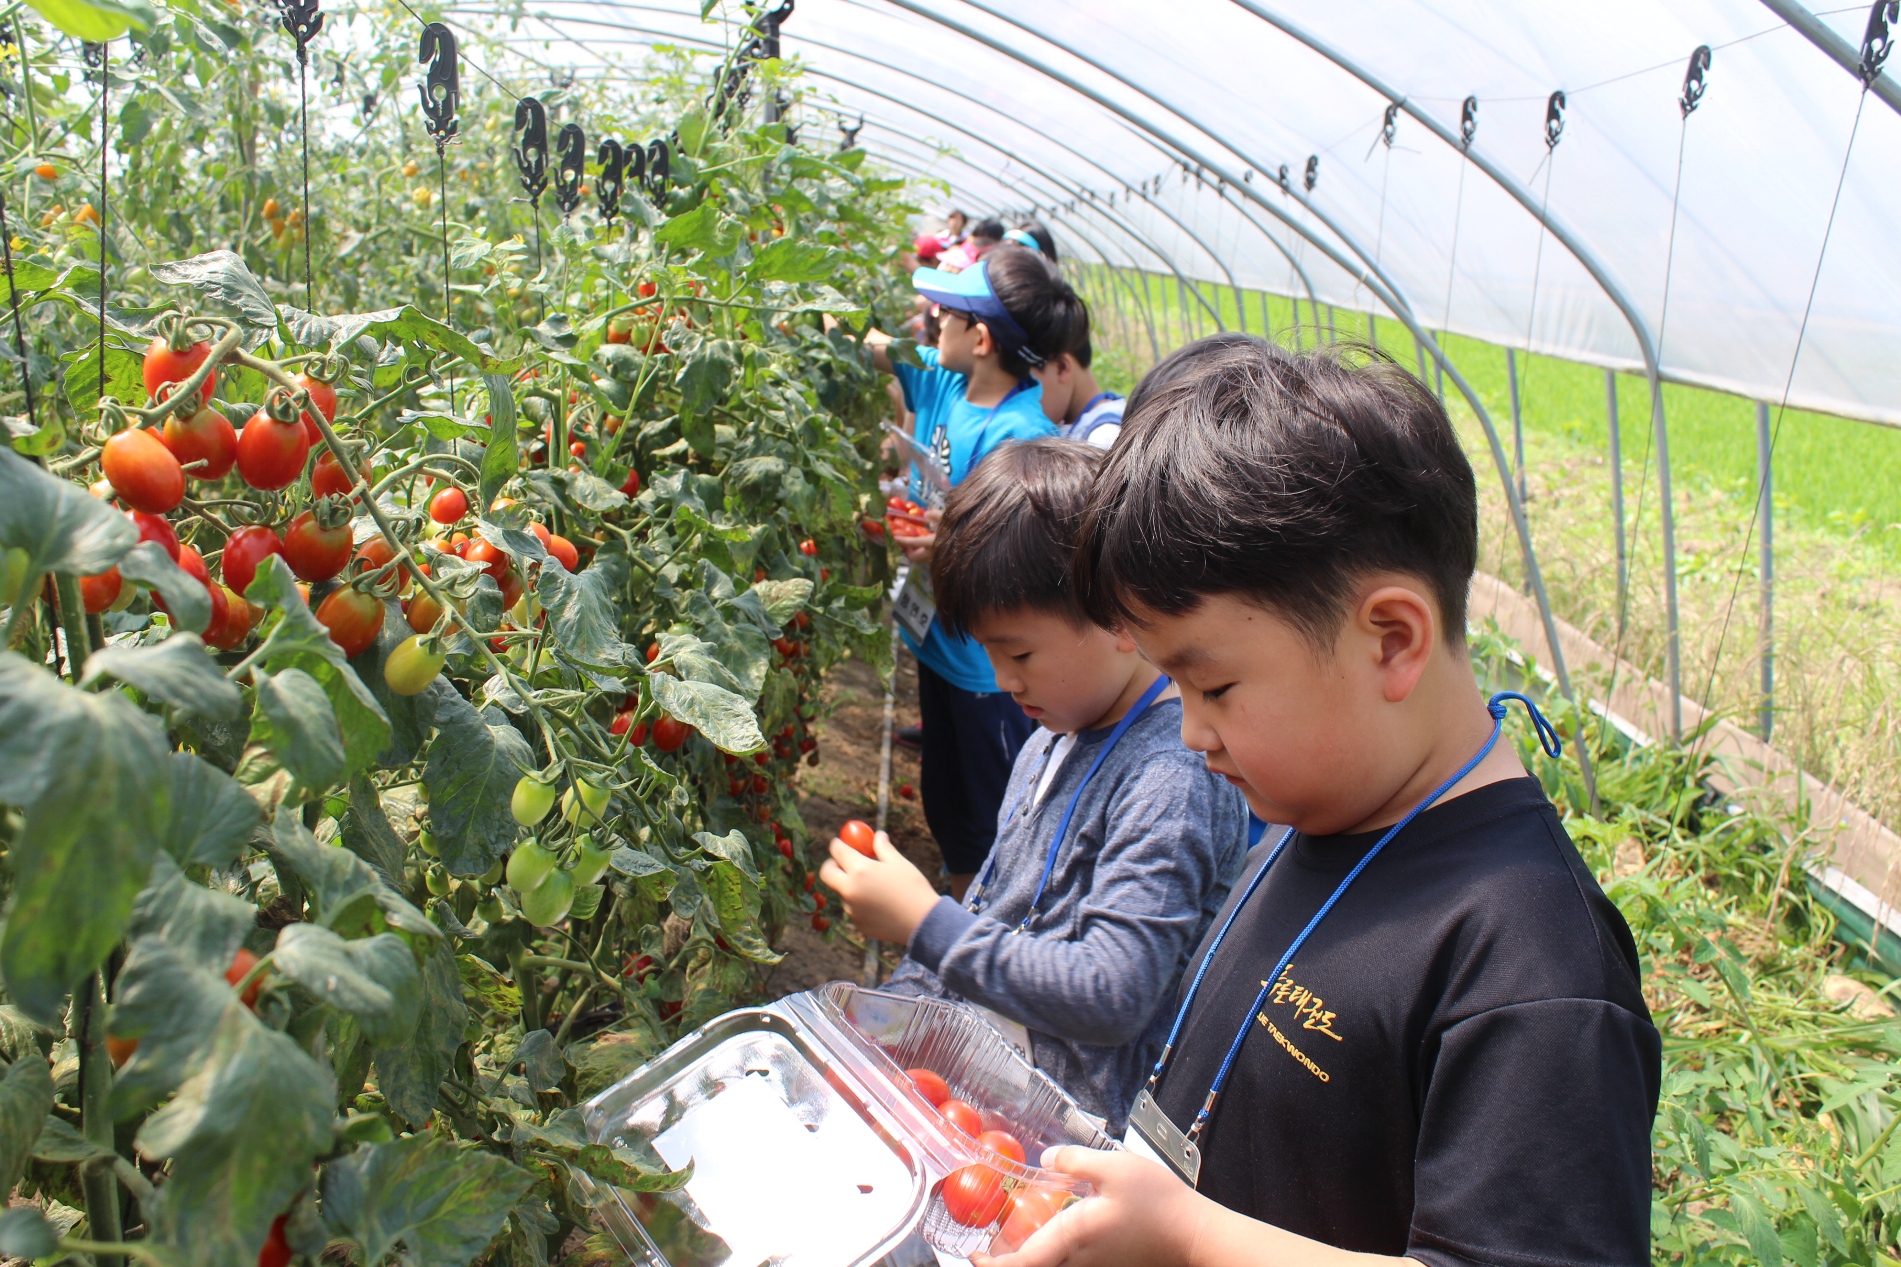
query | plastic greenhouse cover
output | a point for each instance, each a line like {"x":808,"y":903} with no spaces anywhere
{"x":959,"y":91}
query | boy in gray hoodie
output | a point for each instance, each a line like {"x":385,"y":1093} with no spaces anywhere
{"x":1115,"y":844}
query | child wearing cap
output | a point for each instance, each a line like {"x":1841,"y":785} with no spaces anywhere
{"x":995,"y":323}
{"x":1115,"y":844}
{"x":1416,"y":1033}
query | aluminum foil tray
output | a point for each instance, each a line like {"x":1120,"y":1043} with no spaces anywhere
{"x":809,"y":1143}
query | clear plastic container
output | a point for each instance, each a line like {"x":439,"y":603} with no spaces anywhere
{"x":811,"y":1144}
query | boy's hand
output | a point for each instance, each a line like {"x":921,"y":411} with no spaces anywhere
{"x":1140,"y":1213}
{"x":918,"y":549}
{"x":886,"y":896}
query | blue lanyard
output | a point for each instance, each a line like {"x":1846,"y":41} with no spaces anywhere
{"x":1547,"y":738}
{"x":1062,"y":828}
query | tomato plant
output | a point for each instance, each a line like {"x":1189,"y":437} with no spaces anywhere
{"x":263,"y":756}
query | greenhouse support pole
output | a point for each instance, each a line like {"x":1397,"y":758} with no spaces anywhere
{"x":1333,"y":333}
{"x":1839,"y":50}
{"x":1555,"y":225}
{"x":1617,"y":495}
{"x":1267,"y":322}
{"x":1518,"y":419}
{"x":1766,"y":616}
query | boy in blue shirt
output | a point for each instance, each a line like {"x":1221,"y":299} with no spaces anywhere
{"x":997,"y":321}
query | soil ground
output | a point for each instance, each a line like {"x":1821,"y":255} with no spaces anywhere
{"x":842,"y":786}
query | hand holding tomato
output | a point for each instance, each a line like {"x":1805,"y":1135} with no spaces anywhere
{"x":1140,"y":1213}
{"x":885,"y":895}
{"x":918,"y":547}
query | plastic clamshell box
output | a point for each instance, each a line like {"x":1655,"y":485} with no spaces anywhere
{"x":810,"y":1146}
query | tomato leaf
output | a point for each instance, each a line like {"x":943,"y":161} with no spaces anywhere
{"x":345,"y":890}
{"x":407,"y":324}
{"x":96,"y":20}
{"x":91,"y":773}
{"x":26,"y":1096}
{"x":791,"y":259}
{"x":62,"y":1145}
{"x":502,"y":457}
{"x":223,"y":276}
{"x":697,"y":661}
{"x":172,"y":999}
{"x":242,"y":1134}
{"x":630,"y":861}
{"x":591,"y":492}
{"x":147,"y":564}
{"x":373,"y":978}
{"x":705,"y":377}
{"x":205,"y":925}
{"x":298,"y":641}
{"x":702,"y":229}
{"x":178,"y":671}
{"x":441,"y":1203}
{"x":25,"y":1233}
{"x":123,"y":377}
{"x":584,"y":612}
{"x":410,"y":1073}
{"x":211,"y":816}
{"x":784,"y":599}
{"x":367,"y":834}
{"x":60,"y":527}
{"x":724,"y":718}
{"x":472,"y":770}
{"x":733,"y":847}
{"x":295,"y":721}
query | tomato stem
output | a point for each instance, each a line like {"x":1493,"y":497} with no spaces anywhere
{"x":101,"y":1186}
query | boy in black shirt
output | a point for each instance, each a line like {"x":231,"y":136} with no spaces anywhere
{"x":1455,"y":1064}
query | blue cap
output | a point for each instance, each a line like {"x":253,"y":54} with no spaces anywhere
{"x":970,"y":291}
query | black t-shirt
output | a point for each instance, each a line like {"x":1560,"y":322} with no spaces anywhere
{"x":1458,"y":1065}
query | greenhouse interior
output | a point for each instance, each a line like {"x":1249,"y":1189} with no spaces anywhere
{"x":727,"y":632}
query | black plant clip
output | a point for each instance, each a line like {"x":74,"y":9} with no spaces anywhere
{"x":848,"y":136}
{"x":531,"y":147}
{"x":1878,"y":42}
{"x":95,"y":55}
{"x":1468,"y":122}
{"x":301,"y":20}
{"x":613,"y":161}
{"x":1284,"y":178}
{"x":659,"y":171}
{"x":442,"y":84}
{"x":1554,"y":119}
{"x":570,"y":149}
{"x":1389,"y":126}
{"x":1693,"y":84}
{"x":1312,"y":177}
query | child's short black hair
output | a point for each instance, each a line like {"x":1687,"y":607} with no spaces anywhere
{"x":1047,"y":307}
{"x":1279,"y":477}
{"x":1039,"y":234}
{"x":1009,"y":531}
{"x":989,"y":227}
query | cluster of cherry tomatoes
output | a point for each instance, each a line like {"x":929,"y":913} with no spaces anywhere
{"x":981,"y":1195}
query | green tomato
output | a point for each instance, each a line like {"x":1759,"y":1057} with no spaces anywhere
{"x":410,"y":668}
{"x":491,"y":875}
{"x":589,"y":862}
{"x":593,"y":803}
{"x":548,"y":903}
{"x":15,"y":576}
{"x":426,"y":841}
{"x":437,"y":879}
{"x":532,"y":800}
{"x":490,"y":908}
{"x":529,"y":866}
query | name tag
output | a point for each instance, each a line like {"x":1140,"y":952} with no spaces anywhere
{"x":1153,"y":1136}
{"x":913,"y":608}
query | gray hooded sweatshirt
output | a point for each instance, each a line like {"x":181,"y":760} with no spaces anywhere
{"x":1149,"y":857}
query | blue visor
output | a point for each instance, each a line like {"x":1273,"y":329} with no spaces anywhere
{"x":969,"y":291}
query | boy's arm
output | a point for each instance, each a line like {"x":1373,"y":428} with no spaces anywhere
{"x":1142,"y":1215}
{"x":876,"y":340}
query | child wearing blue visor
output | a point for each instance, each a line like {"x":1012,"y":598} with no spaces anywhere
{"x":998,"y":320}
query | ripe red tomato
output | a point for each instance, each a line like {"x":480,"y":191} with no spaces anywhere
{"x":448,"y":505}
{"x":809,"y":548}
{"x":153,"y":528}
{"x":316,"y":553}
{"x":208,"y":437}
{"x":963,"y":1117}
{"x":162,"y":366}
{"x":653,"y":653}
{"x":760,"y":784}
{"x":906,"y":791}
{"x":324,"y":397}
{"x":246,"y":550}
{"x":120,"y":1050}
{"x":669,"y":733}
{"x":930,"y":1085}
{"x":101,"y":591}
{"x":1025,"y":1212}
{"x":563,"y":549}
{"x":859,"y":836}
{"x":578,"y":448}
{"x":819,"y":922}
{"x":376,"y":552}
{"x":874,"y":528}
{"x":512,"y":588}
{"x":423,"y":613}
{"x":353,"y":619}
{"x":143,"y":472}
{"x":271,"y":453}
{"x":1002,"y":1142}
{"x":648,"y":290}
{"x":276,"y":1251}
{"x":241,"y":965}
{"x":329,"y":479}
{"x":193,"y":562}
{"x":490,"y":558}
{"x":631,"y":485}
{"x":785,"y":847}
{"x":228,"y":632}
{"x":973,"y":1196}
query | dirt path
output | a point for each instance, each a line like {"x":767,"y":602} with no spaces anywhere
{"x":844,"y":785}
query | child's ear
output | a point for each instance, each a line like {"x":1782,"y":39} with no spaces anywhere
{"x":1398,"y":625}
{"x":982,"y":344}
